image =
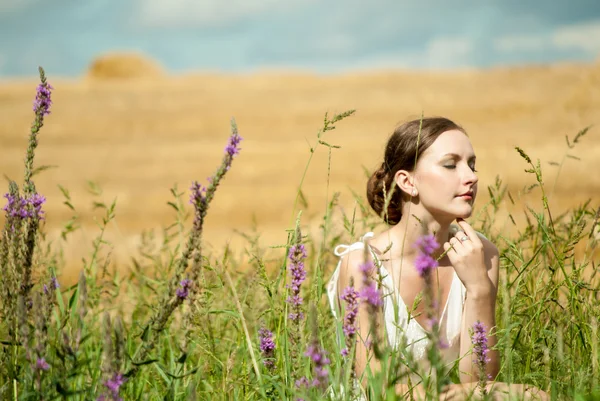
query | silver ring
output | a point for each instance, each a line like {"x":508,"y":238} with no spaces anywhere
{"x":463,"y":239}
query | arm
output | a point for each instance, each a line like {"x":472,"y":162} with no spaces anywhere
{"x":480,"y":305}
{"x":475,"y":261}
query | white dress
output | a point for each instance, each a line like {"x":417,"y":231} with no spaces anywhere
{"x":400,"y":324}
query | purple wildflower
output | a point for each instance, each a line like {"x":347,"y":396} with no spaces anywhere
{"x":232,"y":147}
{"x":36,"y":201}
{"x":296,"y":255}
{"x":17,"y":206}
{"x":11,"y":204}
{"x":302,"y":382}
{"x":427,"y":244}
{"x":369,"y":292}
{"x":113,"y":385}
{"x":350,"y":296}
{"x":371,"y":295}
{"x":183,"y":290}
{"x":198,"y":196}
{"x":425,"y":263}
{"x":53,"y":285}
{"x":267,"y":346}
{"x":43,"y":100}
{"x":41,"y":364}
{"x":367,"y":267}
{"x":481,"y":350}
{"x":320,"y":362}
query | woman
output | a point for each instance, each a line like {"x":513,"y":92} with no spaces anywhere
{"x":426,"y":182}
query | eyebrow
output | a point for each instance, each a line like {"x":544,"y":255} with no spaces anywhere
{"x":457,"y":156}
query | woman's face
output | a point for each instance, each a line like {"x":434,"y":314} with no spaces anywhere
{"x":445,"y":176}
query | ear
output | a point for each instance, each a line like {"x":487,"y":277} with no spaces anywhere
{"x":405,"y":181}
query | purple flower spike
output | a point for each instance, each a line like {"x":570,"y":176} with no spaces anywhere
{"x":371,"y":295}
{"x":18,"y":206}
{"x":425,"y":263}
{"x":367,"y":267}
{"x":320,"y":361}
{"x":113,"y":385}
{"x":11,"y":204}
{"x":481,"y":350}
{"x":296,"y":257}
{"x":43,"y":99}
{"x":350,"y":296}
{"x":427,"y":244}
{"x":183,"y":290}
{"x":41,"y":364}
{"x":36,"y":201}
{"x":369,"y":292}
{"x":267,"y":347}
{"x":232,"y":147}
{"x":198,"y":195}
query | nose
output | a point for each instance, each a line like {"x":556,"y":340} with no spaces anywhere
{"x":470,"y":177}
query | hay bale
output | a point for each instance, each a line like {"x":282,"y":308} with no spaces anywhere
{"x":124,"y":66}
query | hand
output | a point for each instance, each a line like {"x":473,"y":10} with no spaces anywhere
{"x":460,"y":391}
{"x":498,"y":391}
{"x":416,"y":393}
{"x":466,"y":253}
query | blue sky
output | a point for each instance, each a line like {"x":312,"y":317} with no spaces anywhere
{"x":325,"y":36}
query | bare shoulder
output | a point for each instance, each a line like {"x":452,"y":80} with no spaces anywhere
{"x":352,"y":266}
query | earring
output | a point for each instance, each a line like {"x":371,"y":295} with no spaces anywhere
{"x":414,"y":192}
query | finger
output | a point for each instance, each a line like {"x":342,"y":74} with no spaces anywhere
{"x":448,"y":392}
{"x":450,"y":251}
{"x":469,"y":230}
{"x":447,"y":395}
{"x":457,"y":245}
{"x":463,"y":238}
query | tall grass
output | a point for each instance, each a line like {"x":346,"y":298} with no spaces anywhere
{"x":252,"y":324}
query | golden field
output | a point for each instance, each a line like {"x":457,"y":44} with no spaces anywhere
{"x":136,"y":138}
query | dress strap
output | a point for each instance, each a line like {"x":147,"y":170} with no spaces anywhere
{"x":344,"y":249}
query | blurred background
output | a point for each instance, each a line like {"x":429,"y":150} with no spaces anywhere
{"x":145,"y":90}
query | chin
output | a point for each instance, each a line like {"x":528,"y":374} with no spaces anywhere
{"x":464,"y":214}
{"x":452,"y":213}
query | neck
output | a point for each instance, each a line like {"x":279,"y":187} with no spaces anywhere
{"x":409,"y":229}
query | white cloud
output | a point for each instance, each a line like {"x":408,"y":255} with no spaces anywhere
{"x":444,"y":51}
{"x":520,"y":43}
{"x":584,"y":37}
{"x":175,"y":13}
{"x":438,"y":53}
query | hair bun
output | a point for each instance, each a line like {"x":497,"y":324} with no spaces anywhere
{"x":379,"y":185}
